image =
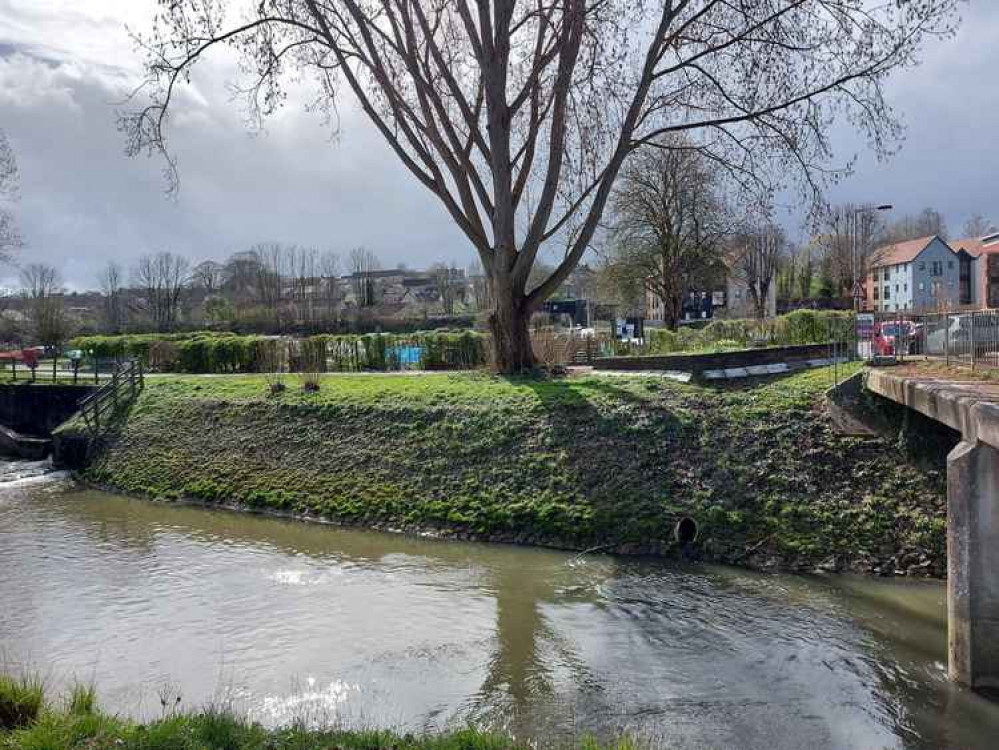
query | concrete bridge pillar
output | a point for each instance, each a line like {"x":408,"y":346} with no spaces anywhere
{"x":973,"y":564}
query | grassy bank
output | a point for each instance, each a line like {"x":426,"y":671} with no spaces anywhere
{"x":607,"y":462}
{"x":77,"y":723}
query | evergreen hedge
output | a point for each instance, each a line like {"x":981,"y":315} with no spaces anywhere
{"x":206,"y":352}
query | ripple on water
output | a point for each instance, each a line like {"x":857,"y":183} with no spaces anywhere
{"x":302,"y":622}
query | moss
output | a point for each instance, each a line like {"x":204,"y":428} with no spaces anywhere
{"x":578,"y":462}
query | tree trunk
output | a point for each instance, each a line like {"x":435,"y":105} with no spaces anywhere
{"x":511,"y":336}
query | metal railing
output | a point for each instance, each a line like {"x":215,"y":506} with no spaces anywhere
{"x":100,"y":407}
{"x":963,"y":338}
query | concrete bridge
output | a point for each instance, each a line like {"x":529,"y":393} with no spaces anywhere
{"x":971,"y":408}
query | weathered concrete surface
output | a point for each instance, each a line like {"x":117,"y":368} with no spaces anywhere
{"x":13,"y":443}
{"x":972,"y":408}
{"x":843,"y":403}
{"x":973,"y":564}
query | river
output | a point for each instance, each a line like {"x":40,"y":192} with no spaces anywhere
{"x":158,"y":603}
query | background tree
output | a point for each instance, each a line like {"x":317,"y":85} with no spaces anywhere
{"x":519,"y":115}
{"x":10,"y":240}
{"x":329,"y":272}
{"x":110,"y":282}
{"x":478,"y":284}
{"x":978,"y":226}
{"x":210,"y":276}
{"x":446,"y":279}
{"x":363,"y":263}
{"x":163,"y":278}
{"x":926,"y":223}
{"x":49,"y":323}
{"x":268,"y":269}
{"x":849,"y":230}
{"x":754,"y":262}
{"x":669,"y":222}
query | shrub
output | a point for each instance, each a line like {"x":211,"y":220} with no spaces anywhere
{"x":21,"y":700}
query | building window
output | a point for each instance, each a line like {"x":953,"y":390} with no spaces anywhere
{"x":950,"y":265}
{"x":887,"y":273}
{"x":905,"y":287}
{"x":922,"y":286}
{"x":922,"y":265}
{"x":887,"y":292}
{"x":877,"y":291}
{"x":937,"y":268}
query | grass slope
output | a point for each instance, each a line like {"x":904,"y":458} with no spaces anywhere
{"x":597,"y":461}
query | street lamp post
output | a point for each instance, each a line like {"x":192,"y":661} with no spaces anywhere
{"x":853,"y":252}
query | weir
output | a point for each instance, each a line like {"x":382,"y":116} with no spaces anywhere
{"x":30,"y":412}
{"x":971,"y":408}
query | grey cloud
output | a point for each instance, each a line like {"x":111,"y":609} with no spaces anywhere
{"x":83,"y":201}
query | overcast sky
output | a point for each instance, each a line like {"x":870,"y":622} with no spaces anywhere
{"x":64,"y":64}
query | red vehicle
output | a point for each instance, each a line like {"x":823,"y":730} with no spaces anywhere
{"x":908,"y":335}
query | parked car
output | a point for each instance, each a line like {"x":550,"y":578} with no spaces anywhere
{"x":957,"y":336}
{"x":898,"y":337}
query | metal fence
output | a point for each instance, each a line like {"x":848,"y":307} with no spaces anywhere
{"x":963,"y":338}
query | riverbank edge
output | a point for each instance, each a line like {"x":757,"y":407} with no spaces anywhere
{"x":29,"y":720}
{"x":172,"y":478}
{"x":659,"y":550}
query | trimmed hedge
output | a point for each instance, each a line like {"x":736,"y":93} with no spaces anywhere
{"x":794,"y":329}
{"x":231,"y":353}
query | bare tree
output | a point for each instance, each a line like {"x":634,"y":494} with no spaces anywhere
{"x":269,"y":270}
{"x":978,"y":226}
{"x":329,"y":274}
{"x":303,"y":267}
{"x":755,"y":261}
{"x":668,"y":223}
{"x":163,"y":278}
{"x":50,"y":326}
{"x":110,"y":283}
{"x":849,"y":236}
{"x":209,"y":275}
{"x":518,"y":115}
{"x":926,"y":223}
{"x":479,"y":286}
{"x":10,"y":239}
{"x":362,"y":263}
{"x":447,"y":284}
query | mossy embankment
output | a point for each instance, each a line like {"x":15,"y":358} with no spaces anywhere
{"x":608,"y":462}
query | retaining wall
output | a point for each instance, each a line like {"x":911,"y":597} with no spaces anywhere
{"x":698,"y":363}
{"x":38,"y":409}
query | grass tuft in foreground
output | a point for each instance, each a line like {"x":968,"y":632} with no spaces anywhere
{"x":21,"y":700}
{"x":83,"y":725}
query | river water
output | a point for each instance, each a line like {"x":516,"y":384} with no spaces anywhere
{"x":159,"y":604}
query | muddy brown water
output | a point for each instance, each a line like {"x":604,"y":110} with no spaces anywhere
{"x":289,"y":621}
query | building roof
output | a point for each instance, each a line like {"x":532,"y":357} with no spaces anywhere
{"x":973,"y":245}
{"x":900,"y":252}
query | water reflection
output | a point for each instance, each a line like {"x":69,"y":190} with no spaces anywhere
{"x":295,"y":620}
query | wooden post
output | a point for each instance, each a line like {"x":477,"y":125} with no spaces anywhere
{"x":96,"y":367}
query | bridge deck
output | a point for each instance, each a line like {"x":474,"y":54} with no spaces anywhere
{"x":962,"y":402}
